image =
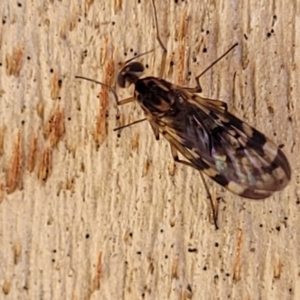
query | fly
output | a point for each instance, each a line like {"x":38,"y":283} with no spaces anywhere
{"x":211,"y":139}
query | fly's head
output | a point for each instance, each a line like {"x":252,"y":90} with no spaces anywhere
{"x":130,"y":74}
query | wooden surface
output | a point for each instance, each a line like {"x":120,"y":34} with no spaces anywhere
{"x":86,"y":214}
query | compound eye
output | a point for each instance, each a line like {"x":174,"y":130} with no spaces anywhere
{"x":121,"y":79}
{"x":130,"y":74}
{"x":136,"y":68}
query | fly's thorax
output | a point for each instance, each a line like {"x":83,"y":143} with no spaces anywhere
{"x":155,"y":96}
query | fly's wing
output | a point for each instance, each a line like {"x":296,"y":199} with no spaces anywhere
{"x":231,"y":152}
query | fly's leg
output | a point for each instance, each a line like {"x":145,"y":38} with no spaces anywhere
{"x":164,"y":56}
{"x":124,"y":101}
{"x":214,"y":211}
{"x":197,"y":78}
{"x":213,"y":206}
{"x":163,"y":63}
{"x":119,"y":102}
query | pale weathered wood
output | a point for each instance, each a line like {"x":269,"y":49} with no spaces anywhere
{"x":87,"y":215}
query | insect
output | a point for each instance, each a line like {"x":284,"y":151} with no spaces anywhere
{"x":210,"y":138}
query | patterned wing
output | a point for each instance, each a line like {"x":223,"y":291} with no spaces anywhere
{"x":231,"y":152}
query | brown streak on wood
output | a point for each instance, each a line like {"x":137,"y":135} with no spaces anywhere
{"x":45,"y":167}
{"x":237,"y":264}
{"x":145,"y":167}
{"x":2,"y":189}
{"x":103,"y":50}
{"x":100,"y":132}
{"x":174,"y":271}
{"x":216,"y":206}
{"x":55,"y":127}
{"x":118,"y":5}
{"x":70,"y":184}
{"x":172,"y":168}
{"x":63,"y":30}
{"x":14,"y":61}
{"x":185,"y":294}
{"x":2,"y":133}
{"x":135,"y":141}
{"x":172,"y":219}
{"x":40,"y":109}
{"x":73,"y":19}
{"x":6,"y":287}
{"x":54,"y":85}
{"x":17,"y":249}
{"x":14,"y":173}
{"x":182,"y":40}
{"x":127,"y":237}
{"x":96,"y":280}
{"x":277,"y":268}
{"x":87,"y":6}
{"x":151,"y":267}
{"x":32,"y":154}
